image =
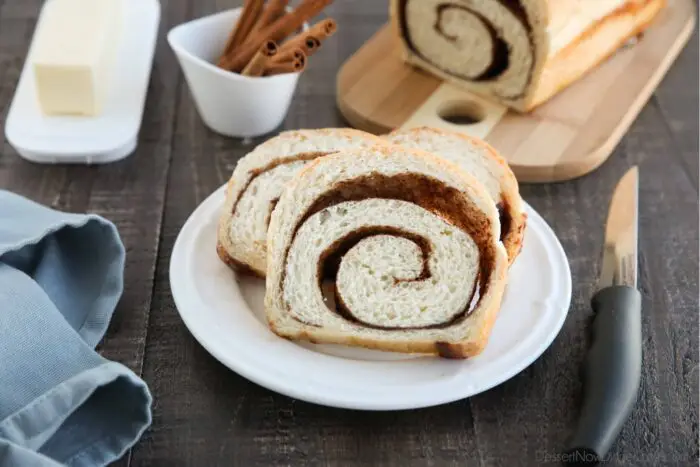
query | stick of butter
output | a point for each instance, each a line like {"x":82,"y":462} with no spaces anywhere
{"x":73,"y":55}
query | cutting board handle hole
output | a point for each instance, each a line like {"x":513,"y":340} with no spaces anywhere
{"x":462,"y":112}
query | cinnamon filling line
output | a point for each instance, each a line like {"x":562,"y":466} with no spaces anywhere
{"x":504,"y":218}
{"x":500,"y":60}
{"x":255,"y":173}
{"x":273,"y":204}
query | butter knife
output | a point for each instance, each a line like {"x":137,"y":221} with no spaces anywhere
{"x":612,"y":369}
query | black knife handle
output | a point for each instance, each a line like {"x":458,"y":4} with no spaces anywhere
{"x":611,"y":374}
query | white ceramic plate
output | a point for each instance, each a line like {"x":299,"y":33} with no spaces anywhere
{"x":225,"y":314}
{"x":91,"y":140}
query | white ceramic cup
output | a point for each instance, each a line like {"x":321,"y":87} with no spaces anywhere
{"x":228,"y":103}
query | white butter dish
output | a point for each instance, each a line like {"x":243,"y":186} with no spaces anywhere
{"x":109,"y":136}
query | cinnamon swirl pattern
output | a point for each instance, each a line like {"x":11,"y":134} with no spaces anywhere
{"x":519,"y":52}
{"x":408,"y":243}
{"x":257,"y":183}
{"x":486,"y":41}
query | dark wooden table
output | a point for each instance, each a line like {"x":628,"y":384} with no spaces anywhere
{"x":206,"y":415}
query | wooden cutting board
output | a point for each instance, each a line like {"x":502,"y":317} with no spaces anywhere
{"x":569,"y":136}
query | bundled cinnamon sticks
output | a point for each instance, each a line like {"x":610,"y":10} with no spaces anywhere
{"x":267,"y":39}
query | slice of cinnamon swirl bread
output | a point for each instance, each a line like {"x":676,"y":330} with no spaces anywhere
{"x":519,"y":52}
{"x":479,"y":159}
{"x":257,"y":183}
{"x":410,"y":243}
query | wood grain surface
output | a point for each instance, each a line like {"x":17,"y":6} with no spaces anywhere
{"x":567,"y":137}
{"x":206,"y":415}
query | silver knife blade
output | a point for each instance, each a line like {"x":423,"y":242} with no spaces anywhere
{"x":619,"y":265}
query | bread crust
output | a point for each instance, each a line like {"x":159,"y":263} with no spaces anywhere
{"x":594,"y":46}
{"x":552,"y":74}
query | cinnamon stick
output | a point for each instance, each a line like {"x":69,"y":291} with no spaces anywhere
{"x":272,"y":12}
{"x":257,"y":64}
{"x":294,"y":66}
{"x":246,"y":20}
{"x":311,"y":39}
{"x":307,"y":43}
{"x":323,"y":29}
{"x":288,"y":55}
{"x":310,"y":45}
{"x":275,"y":31}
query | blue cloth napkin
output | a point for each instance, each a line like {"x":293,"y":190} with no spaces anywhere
{"x":61,"y":403}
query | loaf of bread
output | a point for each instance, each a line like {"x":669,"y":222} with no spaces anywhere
{"x":408,"y":242}
{"x":518,"y":52}
{"x":257,"y":183}
{"x":480,"y":160}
